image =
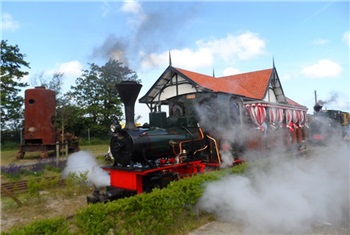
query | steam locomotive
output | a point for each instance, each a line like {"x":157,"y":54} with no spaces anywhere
{"x":192,"y":139}
{"x":328,"y":125}
{"x":170,"y":148}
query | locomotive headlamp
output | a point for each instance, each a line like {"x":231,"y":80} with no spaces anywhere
{"x":115,"y":126}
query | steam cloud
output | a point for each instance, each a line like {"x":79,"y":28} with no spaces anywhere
{"x":152,"y":28}
{"x":332,"y":99}
{"x":81,"y":162}
{"x":277,"y":194}
{"x":214,"y":118}
{"x":112,"y":47}
{"x":280,"y":195}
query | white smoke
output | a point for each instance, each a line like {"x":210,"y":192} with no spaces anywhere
{"x":227,"y":159}
{"x":215,"y":120}
{"x":280,"y":195}
{"x":82,"y":162}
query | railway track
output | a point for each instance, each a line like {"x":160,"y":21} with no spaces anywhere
{"x":22,"y":186}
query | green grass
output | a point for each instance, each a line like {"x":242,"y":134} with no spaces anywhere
{"x":97,"y":150}
{"x":10,"y":156}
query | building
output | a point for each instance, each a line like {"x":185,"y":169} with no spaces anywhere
{"x":260,"y":91}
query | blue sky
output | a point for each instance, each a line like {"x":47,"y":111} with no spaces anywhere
{"x":309,"y":41}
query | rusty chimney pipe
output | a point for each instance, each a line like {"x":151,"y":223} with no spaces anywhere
{"x":128,"y":92}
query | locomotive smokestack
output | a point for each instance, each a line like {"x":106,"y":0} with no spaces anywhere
{"x":128,"y":92}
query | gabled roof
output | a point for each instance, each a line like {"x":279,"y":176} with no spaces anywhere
{"x":250,"y":86}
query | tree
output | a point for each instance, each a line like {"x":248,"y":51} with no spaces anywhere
{"x":96,"y":94}
{"x":70,"y":118}
{"x":113,"y":72}
{"x":11,"y":73}
{"x":55,"y":84}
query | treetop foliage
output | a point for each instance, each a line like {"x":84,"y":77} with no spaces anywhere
{"x":11,"y":63}
{"x":96,"y":95}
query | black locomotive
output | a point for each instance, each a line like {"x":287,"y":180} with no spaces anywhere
{"x":170,"y":147}
{"x":166,"y":138}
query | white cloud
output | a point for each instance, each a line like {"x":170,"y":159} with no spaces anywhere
{"x":322,"y":69}
{"x":285,"y":77}
{"x":231,"y":71}
{"x":135,"y":8}
{"x":70,"y":69}
{"x":346,"y":37}
{"x":184,"y":58}
{"x":26,"y":78}
{"x":320,"y":41}
{"x":8,"y":22}
{"x":131,"y":6}
{"x":244,"y":46}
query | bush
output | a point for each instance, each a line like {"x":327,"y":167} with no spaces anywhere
{"x":35,"y":186}
{"x":160,"y":212}
{"x":152,"y":213}
{"x":54,"y":226}
{"x":76,"y":183}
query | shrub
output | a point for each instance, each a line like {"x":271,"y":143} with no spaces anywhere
{"x":152,"y":213}
{"x":54,"y":226}
{"x":35,"y":185}
{"x":158,"y":212}
{"x":76,"y":183}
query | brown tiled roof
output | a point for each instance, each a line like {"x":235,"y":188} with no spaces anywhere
{"x":251,"y":85}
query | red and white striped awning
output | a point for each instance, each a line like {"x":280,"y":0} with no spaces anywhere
{"x":294,"y":116}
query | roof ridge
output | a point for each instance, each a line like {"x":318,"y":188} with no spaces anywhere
{"x":194,"y":72}
{"x":261,"y":70}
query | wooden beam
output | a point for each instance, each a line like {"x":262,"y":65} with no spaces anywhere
{"x":11,"y":195}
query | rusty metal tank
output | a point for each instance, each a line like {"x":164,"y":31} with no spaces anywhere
{"x":40,"y":116}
